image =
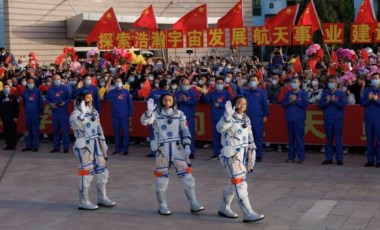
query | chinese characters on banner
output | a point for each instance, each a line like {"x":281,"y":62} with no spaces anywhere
{"x":361,"y":33}
{"x":216,"y":37}
{"x":333,"y":33}
{"x":260,"y":36}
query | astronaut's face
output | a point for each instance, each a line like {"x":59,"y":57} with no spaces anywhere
{"x":167,"y":101}
{"x":241,"y":105}
{"x":88,"y":99}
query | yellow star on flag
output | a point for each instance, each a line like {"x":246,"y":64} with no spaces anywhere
{"x":109,"y":16}
{"x":146,"y":12}
{"x":288,"y":11}
{"x":201,"y":10}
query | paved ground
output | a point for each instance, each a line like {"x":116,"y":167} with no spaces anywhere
{"x":39,"y":192}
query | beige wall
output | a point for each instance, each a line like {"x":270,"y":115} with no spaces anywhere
{"x":40,"y":25}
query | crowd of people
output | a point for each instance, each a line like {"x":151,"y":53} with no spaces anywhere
{"x":121,"y":77}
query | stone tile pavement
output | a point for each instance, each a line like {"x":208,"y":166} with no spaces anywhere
{"x":39,"y":191}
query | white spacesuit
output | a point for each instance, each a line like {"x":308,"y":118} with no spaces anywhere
{"x":171,"y":133}
{"x":91,"y":150}
{"x":238,"y":147}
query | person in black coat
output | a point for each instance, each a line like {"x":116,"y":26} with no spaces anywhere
{"x":9,"y":112}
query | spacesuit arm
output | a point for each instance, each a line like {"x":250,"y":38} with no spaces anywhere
{"x":147,"y":120}
{"x":186,"y":140}
{"x":223,"y":125}
{"x":77,"y":120}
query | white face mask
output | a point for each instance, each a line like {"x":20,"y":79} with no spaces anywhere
{"x":315,"y":83}
{"x":174,"y":87}
{"x":274,"y":82}
{"x":156,"y":85}
{"x":23,"y":83}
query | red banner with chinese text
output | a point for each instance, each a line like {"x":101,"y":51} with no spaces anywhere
{"x":194,"y":38}
{"x":239,"y":36}
{"x":361,"y":33}
{"x":216,"y":37}
{"x":275,"y":127}
{"x":174,"y":39}
{"x":333,"y":33}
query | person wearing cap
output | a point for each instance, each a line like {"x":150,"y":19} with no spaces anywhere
{"x":187,"y":101}
{"x":90,"y":148}
{"x":333,"y":102}
{"x":58,"y":98}
{"x":257,"y":112}
{"x":156,"y":94}
{"x":121,"y":110}
{"x":371,"y":103}
{"x":295,"y":103}
{"x":172,"y":144}
{"x":86,"y":85}
{"x":238,"y":157}
{"x":9,"y":112}
{"x":217,"y":98}
{"x":34,"y":109}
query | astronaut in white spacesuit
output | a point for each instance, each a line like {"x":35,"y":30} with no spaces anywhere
{"x":171,"y":135}
{"x":238,"y":151}
{"x":91,"y":150}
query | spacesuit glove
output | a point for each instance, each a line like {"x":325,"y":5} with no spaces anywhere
{"x":229,"y":111}
{"x":151,"y":107}
{"x":251,"y":164}
{"x":187,"y":152}
{"x":83,"y":107}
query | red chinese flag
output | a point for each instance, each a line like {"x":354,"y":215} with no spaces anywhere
{"x":145,"y":91}
{"x":365,"y":13}
{"x":297,"y":65}
{"x":334,"y":57}
{"x":8,"y":59}
{"x":364,"y":54}
{"x":194,"y":20}
{"x":234,"y":17}
{"x":286,"y":17}
{"x":146,"y":20}
{"x":106,"y":24}
{"x":312,"y":64}
{"x":310,"y":17}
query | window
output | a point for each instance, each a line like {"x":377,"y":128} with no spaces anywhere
{"x":256,"y":8}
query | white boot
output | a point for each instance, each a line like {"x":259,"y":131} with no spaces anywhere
{"x":163,"y":206}
{"x":225,"y":206}
{"x":194,"y":205}
{"x":248,"y":214}
{"x":101,"y":181}
{"x":189,"y":185}
{"x":84,"y":201}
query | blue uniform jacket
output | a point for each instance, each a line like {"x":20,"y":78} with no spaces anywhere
{"x":58,"y":95}
{"x":33,"y":102}
{"x":334,"y":110}
{"x":95,"y":95}
{"x":371,"y":107}
{"x":187,"y":106}
{"x":216,"y":96}
{"x":257,"y":102}
{"x":121,"y":103}
{"x":156,"y":94}
{"x":295,"y":111}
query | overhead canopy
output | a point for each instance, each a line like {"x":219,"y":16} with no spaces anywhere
{"x":79,"y":26}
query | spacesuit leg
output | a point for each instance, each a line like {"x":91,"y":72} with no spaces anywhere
{"x":86,"y":176}
{"x":101,"y":181}
{"x":237,"y":173}
{"x":184,"y":173}
{"x":162,"y":174}
{"x":225,"y":206}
